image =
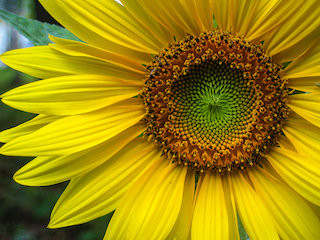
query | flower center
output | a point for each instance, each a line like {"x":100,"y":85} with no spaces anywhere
{"x":214,"y":102}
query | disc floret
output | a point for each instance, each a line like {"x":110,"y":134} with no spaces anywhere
{"x":214,"y":102}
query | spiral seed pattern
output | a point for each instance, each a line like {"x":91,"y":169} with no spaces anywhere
{"x":215,"y":102}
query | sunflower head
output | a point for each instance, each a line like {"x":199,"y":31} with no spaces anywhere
{"x":214,"y":102}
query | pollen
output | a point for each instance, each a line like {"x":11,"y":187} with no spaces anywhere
{"x":214,"y":102}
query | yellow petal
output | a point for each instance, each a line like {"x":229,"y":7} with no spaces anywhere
{"x":185,"y":14}
{"x":315,"y":208}
{"x":299,"y":172}
{"x":286,"y":143}
{"x":255,"y":19}
{"x":306,"y":65}
{"x":151,"y":206}
{"x":98,"y":22}
{"x":210,"y":219}
{"x":46,"y":62}
{"x":294,"y":219}
{"x":144,"y":17}
{"x":158,"y":206}
{"x":305,"y":84}
{"x":231,"y":209}
{"x":181,"y":229}
{"x":79,"y":49}
{"x":43,"y":171}
{"x":70,"y":95}
{"x":305,"y":139}
{"x":292,"y":37}
{"x":100,"y":191}
{"x":307,"y":106}
{"x":254,"y":216}
{"x":220,"y":12}
{"x":157,"y":10}
{"x":205,"y":11}
{"x":78,"y":132}
{"x":27,"y":127}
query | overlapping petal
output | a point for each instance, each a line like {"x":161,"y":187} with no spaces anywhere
{"x":43,"y":171}
{"x":220,"y":10}
{"x":79,"y":49}
{"x":181,"y":229}
{"x":157,"y":11}
{"x":293,"y":216}
{"x":306,"y":65}
{"x":68,"y":95}
{"x":151,"y":206}
{"x":290,"y":38}
{"x":77,"y":132}
{"x":252,"y":19}
{"x":304,"y":137}
{"x":300,"y":173}
{"x":27,"y":127}
{"x":46,"y":62}
{"x":210,"y":211}
{"x":146,"y":19}
{"x":307,"y":106}
{"x":185,"y":14}
{"x":305,"y":84}
{"x":100,"y":191}
{"x":100,"y":22}
{"x":253,"y":214}
{"x":231,"y":209}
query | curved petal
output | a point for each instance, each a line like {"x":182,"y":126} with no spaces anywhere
{"x":205,"y":11}
{"x":181,"y":229}
{"x":254,"y":19}
{"x":185,"y":14}
{"x":98,"y":22}
{"x":254,"y":216}
{"x":156,"y":9}
{"x":43,"y":171}
{"x":293,"y":216}
{"x":68,"y":95}
{"x":210,"y":218}
{"x":231,"y":209}
{"x":305,"y":139}
{"x":150,"y":208}
{"x":46,"y":62}
{"x":286,"y":143}
{"x":291,"y":38}
{"x":78,"y":132}
{"x":100,"y":191}
{"x":79,"y":49}
{"x":305,"y":84}
{"x":306,"y":65}
{"x":307,"y":106}
{"x":299,"y":172}
{"x":26,"y":128}
{"x":220,"y":12}
{"x":145,"y":18}
{"x":118,"y":225}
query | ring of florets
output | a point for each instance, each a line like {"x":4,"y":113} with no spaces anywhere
{"x":214,"y":102}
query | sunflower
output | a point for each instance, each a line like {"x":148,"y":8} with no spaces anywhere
{"x":163,"y":93}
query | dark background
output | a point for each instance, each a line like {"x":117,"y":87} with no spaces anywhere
{"x":25,"y":211}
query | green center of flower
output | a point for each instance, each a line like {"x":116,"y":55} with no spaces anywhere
{"x":215,"y":102}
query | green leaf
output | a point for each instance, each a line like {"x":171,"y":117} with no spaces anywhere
{"x":37,"y":32}
{"x":242,"y":232}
